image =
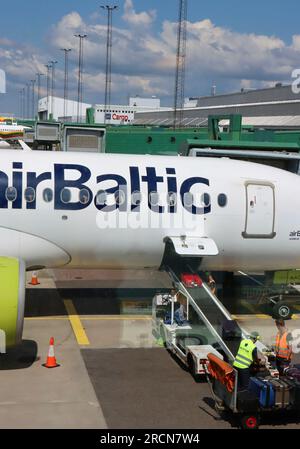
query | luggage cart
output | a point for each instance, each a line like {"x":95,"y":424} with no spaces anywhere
{"x":228,"y":402}
{"x":245,"y":405}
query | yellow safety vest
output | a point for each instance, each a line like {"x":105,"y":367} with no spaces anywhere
{"x":244,"y":357}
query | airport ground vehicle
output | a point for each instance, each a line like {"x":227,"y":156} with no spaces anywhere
{"x":189,"y":343}
{"x":246,"y":405}
{"x":208,"y":326}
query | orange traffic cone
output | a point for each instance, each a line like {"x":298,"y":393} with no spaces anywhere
{"x":51,"y":360}
{"x":34,"y":279}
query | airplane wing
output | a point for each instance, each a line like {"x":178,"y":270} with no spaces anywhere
{"x":24,"y":145}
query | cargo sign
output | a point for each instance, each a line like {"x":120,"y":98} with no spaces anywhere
{"x":122,"y":118}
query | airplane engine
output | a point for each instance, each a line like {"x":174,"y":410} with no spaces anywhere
{"x":12,"y":300}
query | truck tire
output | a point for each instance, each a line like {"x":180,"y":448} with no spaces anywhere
{"x":249,"y":422}
{"x":282,"y":311}
{"x":192,"y":367}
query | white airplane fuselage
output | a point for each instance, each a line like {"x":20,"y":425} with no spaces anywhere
{"x":250,"y":211}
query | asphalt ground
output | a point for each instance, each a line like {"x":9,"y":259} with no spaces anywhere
{"x":148,"y":388}
{"x":111,"y":374}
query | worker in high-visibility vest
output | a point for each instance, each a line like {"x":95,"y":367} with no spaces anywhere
{"x":283,"y":347}
{"x":245,"y":357}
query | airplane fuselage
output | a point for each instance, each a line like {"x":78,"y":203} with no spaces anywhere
{"x":114,"y":211}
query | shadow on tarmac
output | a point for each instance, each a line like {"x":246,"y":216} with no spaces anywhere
{"x":19,"y":357}
{"x":49,"y":302}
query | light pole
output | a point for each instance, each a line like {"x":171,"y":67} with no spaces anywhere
{"x":80,"y":74}
{"x":32,"y":98}
{"x":66,"y":51}
{"x":28,"y":100}
{"x":107,"y":96}
{"x":52,"y":85}
{"x":21,"y":103}
{"x":48,"y":67}
{"x":39,"y":75}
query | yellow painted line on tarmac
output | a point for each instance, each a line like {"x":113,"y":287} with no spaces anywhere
{"x":45,"y":318}
{"x":260,"y":316}
{"x":77,"y":327}
{"x":263,"y":316}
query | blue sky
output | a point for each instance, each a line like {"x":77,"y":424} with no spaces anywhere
{"x":231,"y":44}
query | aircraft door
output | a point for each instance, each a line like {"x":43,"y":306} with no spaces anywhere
{"x":260,"y":210}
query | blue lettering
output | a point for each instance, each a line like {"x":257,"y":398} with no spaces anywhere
{"x":186,"y":188}
{"x":120,"y":190}
{"x":61,"y":183}
{"x":152,"y":180}
{"x":33,"y":181}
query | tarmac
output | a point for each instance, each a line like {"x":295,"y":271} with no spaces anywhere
{"x":111,"y":374}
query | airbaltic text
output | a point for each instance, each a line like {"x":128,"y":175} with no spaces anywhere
{"x":71,"y":189}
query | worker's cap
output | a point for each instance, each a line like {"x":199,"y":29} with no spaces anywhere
{"x":255,"y":335}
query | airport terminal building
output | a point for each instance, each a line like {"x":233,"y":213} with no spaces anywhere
{"x":275,"y":105}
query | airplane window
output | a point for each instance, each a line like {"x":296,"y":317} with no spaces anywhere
{"x":101,"y":198}
{"x":29,"y":194}
{"x":188,"y":199}
{"x":172,"y":199}
{"x":65,"y":195}
{"x":84,"y":196}
{"x":47,"y":195}
{"x":222,"y":200}
{"x":205,"y":199}
{"x":11,"y":194}
{"x":154,"y":198}
{"x":120,"y":197}
{"x":136,"y":198}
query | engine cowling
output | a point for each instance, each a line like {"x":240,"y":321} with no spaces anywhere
{"x":12,"y":301}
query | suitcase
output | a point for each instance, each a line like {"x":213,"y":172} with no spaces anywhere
{"x":282,"y":392}
{"x":247,"y":402}
{"x":263,"y":391}
{"x":191,"y":280}
{"x":294,"y":391}
{"x":231,"y":330}
{"x":292,"y":372}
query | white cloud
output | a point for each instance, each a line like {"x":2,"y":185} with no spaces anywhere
{"x":143,"y":60}
{"x":144,"y":18}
